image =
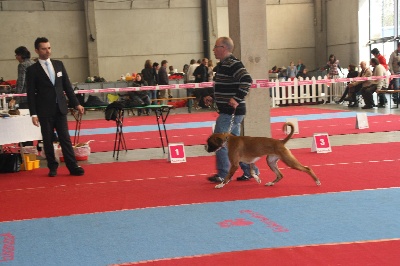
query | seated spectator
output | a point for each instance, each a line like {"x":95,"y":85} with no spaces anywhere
{"x":356,"y":86}
{"x":303,"y":74}
{"x":143,"y":95}
{"x":352,"y":74}
{"x":374,"y":85}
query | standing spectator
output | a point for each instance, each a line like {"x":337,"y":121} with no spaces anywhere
{"x":232,"y":83}
{"x":300,"y":68}
{"x":47,"y":84}
{"x":23,"y":56}
{"x":190,"y":79}
{"x":374,"y":85}
{"x":332,"y":67}
{"x":171,"y":70}
{"x":185,"y":71}
{"x":156,"y":68}
{"x":394,"y":67}
{"x":149,"y":77}
{"x":163,"y":79}
{"x":201,"y":75}
{"x":291,"y":71}
{"x":192,"y":67}
{"x":382,"y":61}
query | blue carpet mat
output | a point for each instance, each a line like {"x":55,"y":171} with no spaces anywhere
{"x":279,"y":119}
{"x":187,"y":230}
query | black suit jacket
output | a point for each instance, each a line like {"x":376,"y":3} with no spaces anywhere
{"x":43,"y":97}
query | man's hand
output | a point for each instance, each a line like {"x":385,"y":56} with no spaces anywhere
{"x":35,"y":121}
{"x":80,"y":109}
{"x":233,"y":103}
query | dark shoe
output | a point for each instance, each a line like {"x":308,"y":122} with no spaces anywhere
{"x":367,"y":107}
{"x":215,"y":179}
{"x":52,"y":173}
{"x":77,"y":171}
{"x":243,"y":178}
{"x":338,"y":102}
{"x":353,"y":105}
{"x":381,"y":106}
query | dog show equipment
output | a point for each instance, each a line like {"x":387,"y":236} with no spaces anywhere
{"x":176,"y":153}
{"x":321,"y":143}
{"x":362,"y":121}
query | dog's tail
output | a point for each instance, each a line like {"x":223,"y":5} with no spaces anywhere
{"x":291,"y":131}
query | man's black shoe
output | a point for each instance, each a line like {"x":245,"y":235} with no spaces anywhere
{"x":77,"y":171}
{"x":353,"y":105}
{"x":215,"y":179}
{"x":52,"y":173}
{"x":243,"y":178}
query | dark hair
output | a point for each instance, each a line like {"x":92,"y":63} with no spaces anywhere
{"x":375,"y":61}
{"x":40,"y":40}
{"x":352,"y":67}
{"x":375,"y":51}
{"x":23,"y":52}
{"x":332,"y":56}
{"x":155,"y":64}
{"x":192,"y":61}
{"x":163,"y":62}
{"x":147,"y":64}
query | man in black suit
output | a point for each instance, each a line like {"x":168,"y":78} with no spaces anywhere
{"x":47,"y":85}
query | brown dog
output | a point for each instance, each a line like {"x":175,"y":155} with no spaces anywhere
{"x":250,"y":149}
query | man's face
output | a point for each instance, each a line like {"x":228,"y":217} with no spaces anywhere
{"x":44,"y":50}
{"x":205,"y":62}
{"x":219,"y":50}
{"x":363,"y":65}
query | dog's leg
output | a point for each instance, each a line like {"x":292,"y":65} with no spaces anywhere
{"x":272,"y":161}
{"x":228,"y":177}
{"x":288,"y":158}
{"x":253,"y":173}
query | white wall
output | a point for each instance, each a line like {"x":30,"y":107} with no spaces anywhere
{"x":127,"y":38}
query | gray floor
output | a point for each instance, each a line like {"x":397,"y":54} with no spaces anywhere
{"x":198,"y":150}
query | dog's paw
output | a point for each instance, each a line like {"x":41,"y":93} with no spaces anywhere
{"x":257,"y":179}
{"x":220,"y":185}
{"x":270,"y":184}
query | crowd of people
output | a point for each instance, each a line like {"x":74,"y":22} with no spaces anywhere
{"x":366,"y":88}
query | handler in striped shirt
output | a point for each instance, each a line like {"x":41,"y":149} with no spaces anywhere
{"x":232,"y":82}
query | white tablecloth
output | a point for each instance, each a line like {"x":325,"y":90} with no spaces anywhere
{"x":18,"y":129}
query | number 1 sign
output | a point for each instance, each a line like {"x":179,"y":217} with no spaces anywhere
{"x":176,"y":153}
{"x":321,"y":143}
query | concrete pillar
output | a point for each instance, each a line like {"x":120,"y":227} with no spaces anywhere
{"x":248,"y":29}
{"x":321,"y":39}
{"x":212,"y":26}
{"x":93,"y":57}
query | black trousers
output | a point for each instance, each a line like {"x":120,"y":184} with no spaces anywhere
{"x":367,"y":94}
{"x":60,"y":124}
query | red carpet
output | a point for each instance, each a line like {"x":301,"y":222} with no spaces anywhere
{"x":130,"y":185}
{"x":340,"y":126}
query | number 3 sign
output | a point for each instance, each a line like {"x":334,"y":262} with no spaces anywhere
{"x":321,"y":143}
{"x":176,"y":153}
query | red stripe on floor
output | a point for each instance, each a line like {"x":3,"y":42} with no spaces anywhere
{"x":141,"y":184}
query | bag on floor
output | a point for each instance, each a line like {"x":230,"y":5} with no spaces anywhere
{"x":10,"y":162}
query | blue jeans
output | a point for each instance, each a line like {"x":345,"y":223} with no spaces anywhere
{"x":222,"y":125}
{"x":152,"y":95}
